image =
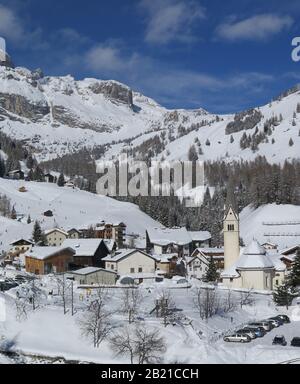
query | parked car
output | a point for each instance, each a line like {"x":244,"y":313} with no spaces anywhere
{"x":295,"y":342}
{"x":284,"y":318}
{"x":238,"y":338}
{"x":259,"y":331}
{"x":267,"y":326}
{"x":277,"y":318}
{"x":275,"y":323}
{"x":279,"y":340}
{"x":247,"y":331}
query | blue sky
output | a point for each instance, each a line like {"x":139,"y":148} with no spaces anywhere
{"x":224,"y":56}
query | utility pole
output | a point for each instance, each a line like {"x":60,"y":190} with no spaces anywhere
{"x":72,"y":298}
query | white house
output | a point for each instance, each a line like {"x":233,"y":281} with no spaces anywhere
{"x":130,"y":261}
{"x":20,"y":246}
{"x":163,"y":240}
{"x":197,"y":266}
{"x":94,"y":275}
{"x":55,"y":237}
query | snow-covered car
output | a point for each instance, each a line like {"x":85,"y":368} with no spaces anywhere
{"x":265,"y":324}
{"x":279,"y":340}
{"x":277,"y":318}
{"x":259,"y":331}
{"x":237,"y":338}
{"x":295,"y":342}
{"x":247,"y":331}
{"x":284,"y":318}
{"x":275,"y":323}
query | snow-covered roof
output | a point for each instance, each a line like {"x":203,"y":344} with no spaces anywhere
{"x":83,"y":247}
{"x":123,"y":253}
{"x":276,"y":260}
{"x":49,"y":231}
{"x":290,"y":250}
{"x":42,"y":253}
{"x":110,"y":243}
{"x":210,"y":250}
{"x":200,"y":235}
{"x":165,"y":257}
{"x":90,"y":270}
{"x":21,"y":239}
{"x":254,"y":257}
{"x":168,"y":236}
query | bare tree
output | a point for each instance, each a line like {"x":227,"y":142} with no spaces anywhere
{"x":143,"y":346}
{"x":247,"y":298}
{"x":132,"y":299}
{"x":229,"y":303}
{"x":63,"y":290}
{"x":207,"y":302}
{"x":21,"y":309}
{"x":96,"y":323}
{"x":122,"y":343}
{"x":149,"y":346}
{"x":164,"y":306}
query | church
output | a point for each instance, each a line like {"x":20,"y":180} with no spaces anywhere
{"x":251,"y":267}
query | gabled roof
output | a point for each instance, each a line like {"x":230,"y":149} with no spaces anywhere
{"x":209,"y":251}
{"x":290,"y":250}
{"x":43,"y":253}
{"x":49,"y":231}
{"x":200,"y":235}
{"x":83,"y":247}
{"x":230,"y":212}
{"x":90,"y":270}
{"x":18,"y":240}
{"x":109,"y":243}
{"x":123,"y":253}
{"x":200,"y":257}
{"x":167,"y":236}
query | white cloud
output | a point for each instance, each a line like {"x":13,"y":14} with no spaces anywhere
{"x":171,"y":20}
{"x":108,"y":58}
{"x":10,"y":25}
{"x":258,"y":27}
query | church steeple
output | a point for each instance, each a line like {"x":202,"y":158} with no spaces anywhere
{"x":231,"y":231}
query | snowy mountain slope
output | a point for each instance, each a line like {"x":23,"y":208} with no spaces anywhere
{"x":71,"y":208}
{"x":278,"y":224}
{"x":58,"y":115}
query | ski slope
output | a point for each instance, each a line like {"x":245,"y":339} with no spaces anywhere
{"x":71,"y":208}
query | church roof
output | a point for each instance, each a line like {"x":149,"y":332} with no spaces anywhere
{"x":254,"y":257}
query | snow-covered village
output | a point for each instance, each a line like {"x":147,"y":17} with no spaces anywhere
{"x":206,"y":271}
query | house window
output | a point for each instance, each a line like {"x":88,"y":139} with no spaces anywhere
{"x":140,"y":270}
{"x":231,"y":280}
{"x":131,"y":270}
{"x":277,"y":282}
{"x":230,"y":227}
{"x":112,"y":267}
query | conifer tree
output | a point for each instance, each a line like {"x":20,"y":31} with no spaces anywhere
{"x":61,"y":180}
{"x":284,"y":295}
{"x":38,"y":235}
{"x":212,"y":274}
{"x":294,"y":277}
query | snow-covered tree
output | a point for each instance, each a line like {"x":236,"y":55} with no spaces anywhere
{"x":284,"y":295}
{"x":294,"y":276}
{"x":212,"y":274}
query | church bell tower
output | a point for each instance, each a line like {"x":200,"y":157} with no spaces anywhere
{"x":231,"y":237}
